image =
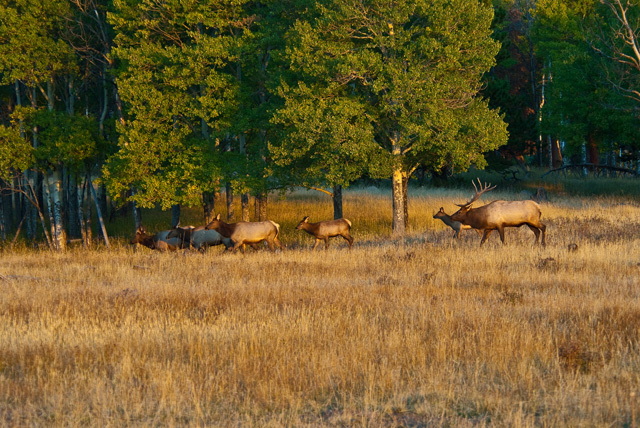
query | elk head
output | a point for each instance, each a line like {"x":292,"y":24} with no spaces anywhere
{"x":141,"y":233}
{"x":464,"y":208}
{"x":301,"y":224}
{"x":214,"y":224}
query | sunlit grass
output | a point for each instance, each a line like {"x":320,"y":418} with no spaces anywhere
{"x":417,"y":331}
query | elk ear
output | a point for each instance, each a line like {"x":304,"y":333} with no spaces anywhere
{"x":304,"y":220}
{"x":218,"y":216}
{"x":441,"y":210}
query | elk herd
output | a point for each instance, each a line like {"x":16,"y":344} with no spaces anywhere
{"x":496,"y":215}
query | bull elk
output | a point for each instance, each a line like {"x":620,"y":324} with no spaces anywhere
{"x":497,"y":215}
{"x":455,"y":225}
{"x":245,"y":232}
{"x":323,"y":230}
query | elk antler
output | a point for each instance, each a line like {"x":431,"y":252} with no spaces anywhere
{"x":483,"y":188}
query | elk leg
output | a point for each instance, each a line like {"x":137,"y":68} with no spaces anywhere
{"x":535,"y":230}
{"x":486,"y":234}
{"x":272,"y":247}
{"x":542,"y":228}
{"x":326,"y":243}
{"x":501,"y":232}
{"x":316,"y":244}
{"x":278,"y":243}
{"x":349,"y":239}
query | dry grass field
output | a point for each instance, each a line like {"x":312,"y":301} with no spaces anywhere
{"x":418,"y":331}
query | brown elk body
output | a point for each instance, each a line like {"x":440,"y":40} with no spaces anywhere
{"x":500,"y":214}
{"x":245,"y":232}
{"x":323,"y":230}
{"x":455,"y":225}
{"x":158,"y":241}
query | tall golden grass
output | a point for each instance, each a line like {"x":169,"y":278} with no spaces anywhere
{"x":412,"y":331}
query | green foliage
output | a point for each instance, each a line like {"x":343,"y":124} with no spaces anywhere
{"x":31,"y":44}
{"x":16,"y":154}
{"x":60,"y":139}
{"x":65,"y":139}
{"x":178,"y":93}
{"x":581,"y":103}
{"x":509,"y":85}
{"x":380,"y":76}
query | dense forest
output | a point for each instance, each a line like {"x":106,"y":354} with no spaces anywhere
{"x":109,"y":105}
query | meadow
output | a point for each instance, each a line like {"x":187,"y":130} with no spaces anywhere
{"x":414,"y":331}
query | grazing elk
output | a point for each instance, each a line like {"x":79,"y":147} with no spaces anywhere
{"x":497,"y":215}
{"x":159,"y":241}
{"x":199,"y":238}
{"x":244,"y":232}
{"x":323,"y":230}
{"x":455,"y":225}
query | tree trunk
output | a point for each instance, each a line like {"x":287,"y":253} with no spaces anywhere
{"x":208,"y":206}
{"x":175,"y":215}
{"x":337,"y":201}
{"x":58,"y":235}
{"x":593,"y":155}
{"x":72,"y":205}
{"x":137,"y":215}
{"x":229,"y":192}
{"x":405,"y":198}
{"x":79,"y":194}
{"x":49,"y":202}
{"x":399,"y":225}
{"x":30,"y":209}
{"x":3,"y":229}
{"x":99,"y":213}
{"x":89,"y":212}
{"x":262,"y":202}
{"x":102,"y":196}
{"x":244,"y":206}
{"x":556,"y":153}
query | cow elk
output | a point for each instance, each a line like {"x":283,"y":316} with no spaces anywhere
{"x":247,"y":233}
{"x":323,"y":230}
{"x":497,"y":215}
{"x":199,"y":238}
{"x":159,"y":241}
{"x":455,"y":225}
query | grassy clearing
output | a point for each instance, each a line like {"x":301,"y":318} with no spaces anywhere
{"x":418,"y":331}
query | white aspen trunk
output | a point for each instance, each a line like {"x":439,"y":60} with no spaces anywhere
{"x":399,"y":225}
{"x":47,"y":196}
{"x":99,"y":213}
{"x":81,"y":222}
{"x":58,"y":235}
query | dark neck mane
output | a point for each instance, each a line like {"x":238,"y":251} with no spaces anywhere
{"x":226,"y":229}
